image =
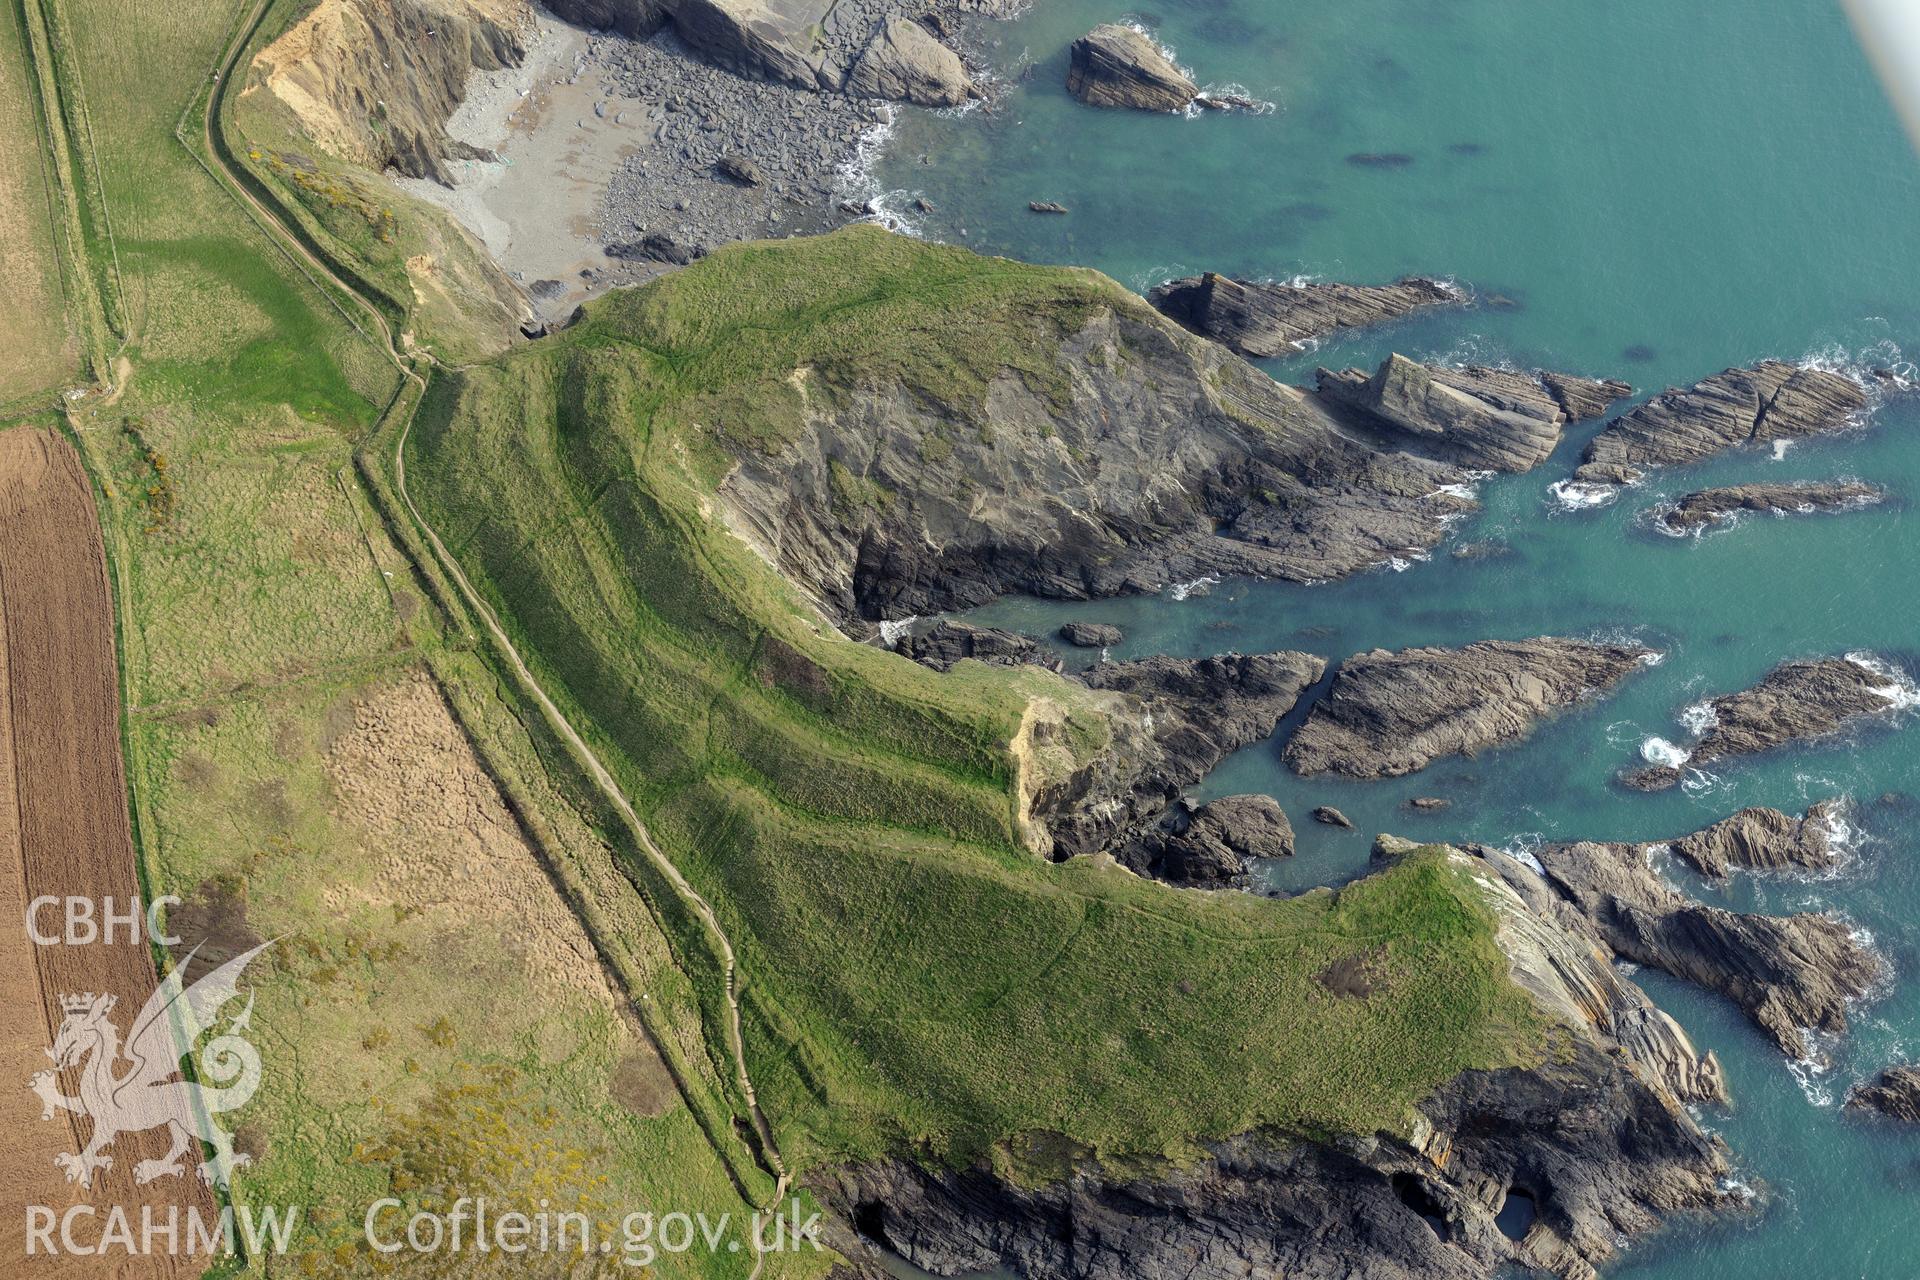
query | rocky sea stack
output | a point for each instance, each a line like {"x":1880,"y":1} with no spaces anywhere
{"x":1119,"y":66}
{"x":1796,"y":702}
{"x":1091,"y":635}
{"x":1895,"y":1094}
{"x":1770,"y":401}
{"x":1262,"y":319}
{"x":1390,"y":713}
{"x":1487,"y":419}
{"x":1765,"y":840}
{"x":1718,"y":506}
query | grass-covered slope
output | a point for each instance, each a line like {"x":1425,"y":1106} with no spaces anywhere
{"x":913,"y":978}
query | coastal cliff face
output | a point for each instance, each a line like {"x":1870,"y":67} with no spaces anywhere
{"x":375,"y":82}
{"x":631,"y":18}
{"x":1117,"y":454}
{"x":1597,"y":1142}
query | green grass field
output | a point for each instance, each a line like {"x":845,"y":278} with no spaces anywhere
{"x":916,"y":981}
{"x":40,"y":351}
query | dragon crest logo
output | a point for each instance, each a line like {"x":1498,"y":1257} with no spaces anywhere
{"x":149,"y":1093}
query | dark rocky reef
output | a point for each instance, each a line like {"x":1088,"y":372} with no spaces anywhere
{"x":1796,"y":702}
{"x":1389,"y":714}
{"x":1788,"y":974}
{"x":1770,"y":401}
{"x":1258,"y":318}
{"x":1174,"y":719}
{"x":1117,"y":66}
{"x":1152,"y":458}
{"x":1597,"y":1137}
{"x":1709,"y":506}
{"x":1763,"y":840}
{"x":1209,"y":846}
{"x":1487,"y":419}
{"x":1329,"y":816}
{"x":1091,"y":635}
{"x":1895,"y":1094}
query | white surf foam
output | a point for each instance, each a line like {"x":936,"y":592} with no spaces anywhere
{"x":1578,"y":495}
{"x":1198,"y":587}
{"x":1235,"y":96}
{"x":1657,"y":750}
{"x":1814,"y":1072}
{"x":1844,"y":838}
{"x":1899,"y":689}
{"x":1699,"y":782}
{"x":1521,"y":850}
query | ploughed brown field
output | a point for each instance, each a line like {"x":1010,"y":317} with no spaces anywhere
{"x":64,"y":832}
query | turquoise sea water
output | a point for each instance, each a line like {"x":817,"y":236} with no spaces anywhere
{"x":1664,"y":188}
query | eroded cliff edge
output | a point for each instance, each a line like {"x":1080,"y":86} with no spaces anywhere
{"x":1597,"y":1141}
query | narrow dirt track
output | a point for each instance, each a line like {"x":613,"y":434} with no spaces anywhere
{"x":64,"y":831}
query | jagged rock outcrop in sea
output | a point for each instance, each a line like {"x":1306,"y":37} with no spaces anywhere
{"x":1598,"y":1137}
{"x":1118,"y":66}
{"x":1710,"y":506}
{"x":1263,"y":318}
{"x":1487,"y":419}
{"x":1895,"y":1094}
{"x":1764,"y":840}
{"x":1173,"y":720}
{"x":1795,"y":702}
{"x":1772,"y":400}
{"x":1091,"y":635}
{"x":1124,"y":456}
{"x":1788,"y":974}
{"x":1389,"y":714}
